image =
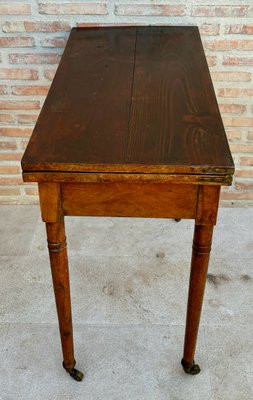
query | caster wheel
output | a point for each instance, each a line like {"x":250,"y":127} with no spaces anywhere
{"x":77,"y":375}
{"x":177,"y":219}
{"x":74,"y":373}
{"x":192,"y":369}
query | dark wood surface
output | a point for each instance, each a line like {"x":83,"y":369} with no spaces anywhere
{"x":130,"y":127}
{"x":146,"y":200}
{"x":136,"y":100}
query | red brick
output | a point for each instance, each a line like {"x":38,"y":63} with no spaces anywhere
{"x":247,"y":161}
{"x":238,"y":60}
{"x":30,"y":26}
{"x":54,"y":42}
{"x":10,"y":181}
{"x":34,"y":58}
{"x":233,"y":135}
{"x":235,"y":92}
{"x":27,"y":119}
{"x":32,"y":191}
{"x":237,"y":196}
{"x":30,"y":90}
{"x":239,"y":29}
{"x":9,"y":191}
{"x":91,"y":8}
{"x":49,"y":74}
{"x":19,"y":105}
{"x":154,"y":9}
{"x":209,"y":29}
{"x":24,"y":144}
{"x":241,"y":148}
{"x":100,"y":24}
{"x":6,"y":169}
{"x":8,"y":145}
{"x":3,"y":89}
{"x":18,"y":132}
{"x":233,"y":121}
{"x":250,"y":136}
{"x":244,"y":185}
{"x":11,"y":156}
{"x":18,"y":73}
{"x":211,"y":60}
{"x":6,"y":118}
{"x":10,"y":8}
{"x":17,"y":41}
{"x":232,"y":108}
{"x":221,"y":11}
{"x":225,"y":45}
{"x":244,"y":173}
{"x":230,"y":76}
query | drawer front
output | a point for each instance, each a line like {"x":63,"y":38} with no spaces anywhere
{"x":147,"y":200}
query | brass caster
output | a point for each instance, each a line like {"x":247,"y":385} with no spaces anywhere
{"x":74,"y":373}
{"x":192,"y":369}
{"x":177,"y":219}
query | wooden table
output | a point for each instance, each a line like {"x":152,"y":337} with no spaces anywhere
{"x":130,"y":128}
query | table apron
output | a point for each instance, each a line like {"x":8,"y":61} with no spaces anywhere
{"x":147,"y":200}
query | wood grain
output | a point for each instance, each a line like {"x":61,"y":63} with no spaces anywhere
{"x":57,"y":248}
{"x":76,"y":177}
{"x":132,"y":100}
{"x":50,"y":201}
{"x":129,"y":200}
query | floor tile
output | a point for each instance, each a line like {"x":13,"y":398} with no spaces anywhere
{"x":27,"y":295}
{"x":17,"y":225}
{"x":129,"y":282}
{"x":4,"y":327}
{"x":91,"y":236}
{"x":230,"y":362}
{"x":229,"y":292}
{"x":124,"y":363}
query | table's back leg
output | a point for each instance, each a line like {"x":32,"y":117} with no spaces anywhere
{"x":52,"y":215}
{"x":199,"y":266}
{"x":205,"y":220}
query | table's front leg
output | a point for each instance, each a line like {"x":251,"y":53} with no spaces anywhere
{"x":51,"y":213}
{"x":205,"y":220}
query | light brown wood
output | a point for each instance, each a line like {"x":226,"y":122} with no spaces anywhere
{"x":155,"y":148}
{"x":50,"y":201}
{"x":199,"y":266}
{"x":131,"y":99}
{"x":57,"y":247}
{"x":124,"y":177}
{"x":150,"y":200}
{"x":208,"y":201}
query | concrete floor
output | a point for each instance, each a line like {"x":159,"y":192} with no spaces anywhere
{"x":129,"y":281}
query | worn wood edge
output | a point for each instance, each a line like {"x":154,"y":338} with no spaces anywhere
{"x":126,"y":168}
{"x":50,"y":201}
{"x":229,"y":155}
{"x":207,"y":205}
{"x":224,"y":180}
{"x":128,"y":199}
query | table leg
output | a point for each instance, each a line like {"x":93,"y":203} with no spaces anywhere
{"x":199,"y":265}
{"x":60,"y":274}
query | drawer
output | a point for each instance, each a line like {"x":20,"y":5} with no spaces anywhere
{"x":147,"y":200}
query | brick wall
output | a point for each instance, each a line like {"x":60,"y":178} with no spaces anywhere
{"x":34,"y":32}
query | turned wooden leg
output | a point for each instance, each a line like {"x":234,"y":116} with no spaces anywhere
{"x":199,"y":265}
{"x":59,"y":266}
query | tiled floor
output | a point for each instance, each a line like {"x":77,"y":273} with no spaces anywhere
{"x":129,"y":281}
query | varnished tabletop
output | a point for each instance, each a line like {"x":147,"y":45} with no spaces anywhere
{"x":132,"y":100}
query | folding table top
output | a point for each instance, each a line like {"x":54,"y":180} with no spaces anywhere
{"x":131,"y":100}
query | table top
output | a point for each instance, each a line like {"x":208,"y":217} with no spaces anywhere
{"x":131,"y":100}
